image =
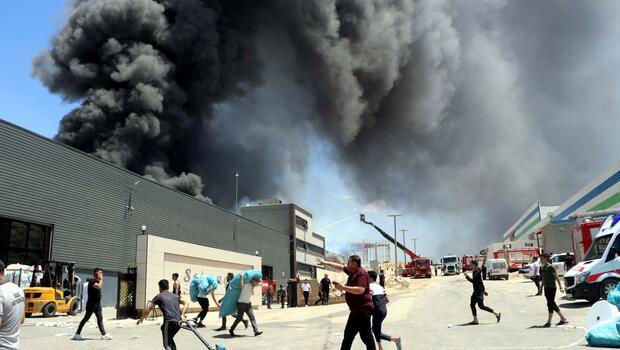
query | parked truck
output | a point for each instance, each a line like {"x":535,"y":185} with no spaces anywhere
{"x":516,"y":257}
{"x":418,"y":267}
{"x":466,"y":262}
{"x":450,"y":265}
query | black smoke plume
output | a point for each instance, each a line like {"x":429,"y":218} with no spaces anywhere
{"x":467,"y":110}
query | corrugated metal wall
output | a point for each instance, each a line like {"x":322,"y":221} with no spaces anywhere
{"x":85,"y":198}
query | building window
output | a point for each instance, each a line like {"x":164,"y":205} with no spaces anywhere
{"x":306,"y":270}
{"x":310,"y":248}
{"x":301,"y":223}
{"x":23,"y":242}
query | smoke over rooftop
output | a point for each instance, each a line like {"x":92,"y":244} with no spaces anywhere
{"x":470,"y":109}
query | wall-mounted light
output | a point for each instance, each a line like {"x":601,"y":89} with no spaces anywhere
{"x":143,"y":229}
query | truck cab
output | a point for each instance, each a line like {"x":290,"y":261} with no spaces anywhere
{"x":422,"y":268}
{"x":599,"y":272}
{"x":450,"y":265}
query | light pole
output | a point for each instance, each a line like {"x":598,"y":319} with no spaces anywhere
{"x":404,"y":243}
{"x":415,"y":250}
{"x":236,"y":190}
{"x":395,"y":243}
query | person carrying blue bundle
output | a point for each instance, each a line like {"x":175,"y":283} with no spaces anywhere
{"x":239,"y":296}
{"x":199,"y":289}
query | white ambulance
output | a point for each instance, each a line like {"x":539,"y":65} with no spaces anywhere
{"x":599,"y":272}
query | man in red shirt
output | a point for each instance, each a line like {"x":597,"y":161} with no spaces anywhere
{"x":359,"y":300}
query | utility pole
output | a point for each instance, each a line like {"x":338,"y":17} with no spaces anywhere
{"x":415,"y":250}
{"x":236,"y":191}
{"x":395,"y":244}
{"x":404,"y":243}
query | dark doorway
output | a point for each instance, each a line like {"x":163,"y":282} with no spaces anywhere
{"x":126,"y":294}
{"x":267,"y":272}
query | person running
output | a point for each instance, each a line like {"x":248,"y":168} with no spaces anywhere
{"x":535,"y":274}
{"x":176,"y":285}
{"x":203,"y":300}
{"x":478,"y":295}
{"x":12,"y":316}
{"x":305,"y":287}
{"x":320,"y":299}
{"x":358,"y":299}
{"x":244,"y":305}
{"x":282,"y":296}
{"x":324,"y":290}
{"x":549,"y":278}
{"x":229,"y":278}
{"x":168,"y":303}
{"x":379,"y":300}
{"x":93,"y":306}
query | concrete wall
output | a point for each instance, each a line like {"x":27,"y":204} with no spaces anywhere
{"x":158,"y":258}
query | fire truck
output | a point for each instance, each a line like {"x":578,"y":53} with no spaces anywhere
{"x":516,"y":257}
{"x":418,"y":267}
{"x":466,"y":262}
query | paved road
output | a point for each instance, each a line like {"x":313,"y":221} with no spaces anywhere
{"x":426,"y":318}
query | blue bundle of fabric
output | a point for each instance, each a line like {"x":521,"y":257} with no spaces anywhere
{"x":201,"y":285}
{"x":607,"y":334}
{"x":229,"y":303}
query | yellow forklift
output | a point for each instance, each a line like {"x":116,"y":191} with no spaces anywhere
{"x":53,"y":291}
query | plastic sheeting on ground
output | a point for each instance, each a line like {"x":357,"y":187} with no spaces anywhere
{"x":229,"y":303}
{"x":607,"y":333}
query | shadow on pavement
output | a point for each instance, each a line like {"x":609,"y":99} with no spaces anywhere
{"x":576,"y":305}
{"x":228,"y":336}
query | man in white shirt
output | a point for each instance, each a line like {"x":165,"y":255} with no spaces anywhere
{"x":12,"y":314}
{"x":244,"y":305}
{"x":305,"y":287}
{"x":535,"y":274}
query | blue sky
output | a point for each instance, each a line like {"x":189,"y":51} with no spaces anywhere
{"x":26,"y":27}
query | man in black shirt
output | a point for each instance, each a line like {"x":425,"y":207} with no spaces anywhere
{"x":229,"y":278}
{"x":478,"y":295}
{"x":381,"y":278}
{"x":168,"y":303}
{"x":93,"y":305}
{"x":325,"y":284}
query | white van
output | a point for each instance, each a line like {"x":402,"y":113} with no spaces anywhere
{"x":497,"y":268}
{"x":599,"y":272}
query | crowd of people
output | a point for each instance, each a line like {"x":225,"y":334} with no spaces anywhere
{"x":364,"y":292}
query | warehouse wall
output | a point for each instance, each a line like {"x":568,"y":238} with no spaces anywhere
{"x":85,"y":199}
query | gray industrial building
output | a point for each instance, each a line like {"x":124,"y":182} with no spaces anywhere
{"x":59,"y":203}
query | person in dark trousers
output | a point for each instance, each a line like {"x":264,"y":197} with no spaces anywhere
{"x":305,"y":287}
{"x":324,"y":290}
{"x":203,"y":300}
{"x":93,"y":306}
{"x":569,"y":262}
{"x":357,"y":295}
{"x":379,"y":300}
{"x":484,"y":270}
{"x":282,"y":296}
{"x":176,"y":285}
{"x":435,"y":270}
{"x":320,"y":299}
{"x":478,"y":295}
{"x":382,"y":278}
{"x":168,"y":303}
{"x":229,"y":278}
{"x":244,"y":305}
{"x":269,"y":295}
{"x":549,"y":277}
